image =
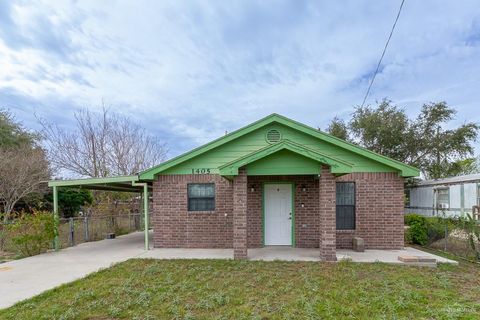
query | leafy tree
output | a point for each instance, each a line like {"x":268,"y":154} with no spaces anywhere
{"x":339,"y":129}
{"x":71,"y":200}
{"x":423,"y":142}
{"x":12,"y":133}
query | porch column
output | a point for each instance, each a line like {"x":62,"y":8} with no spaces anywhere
{"x":240,"y":215}
{"x":56,"y":219}
{"x":327,"y":211}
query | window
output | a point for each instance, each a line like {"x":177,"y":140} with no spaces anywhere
{"x":478,"y":194}
{"x":345,"y":206}
{"x":443,"y":197}
{"x":201,"y":196}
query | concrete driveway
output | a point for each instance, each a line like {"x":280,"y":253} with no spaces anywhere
{"x":25,"y":278}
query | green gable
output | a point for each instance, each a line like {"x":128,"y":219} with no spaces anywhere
{"x":295,"y":149}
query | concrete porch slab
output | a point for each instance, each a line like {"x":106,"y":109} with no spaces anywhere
{"x":187,"y":253}
{"x":286,"y":253}
{"x":389,"y":256}
{"x":283,"y":253}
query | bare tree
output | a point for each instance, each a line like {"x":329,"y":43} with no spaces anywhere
{"x":102,"y":145}
{"x":23,"y":170}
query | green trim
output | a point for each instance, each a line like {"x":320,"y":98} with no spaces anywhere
{"x":337,"y":166}
{"x":91,"y":181}
{"x":292,"y":208}
{"x":293,"y":215}
{"x":145,"y":211}
{"x":263,"y":214}
{"x":56,"y":219}
{"x":119,"y":183}
{"x":405,"y":170}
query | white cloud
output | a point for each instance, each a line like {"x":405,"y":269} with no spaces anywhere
{"x":189,"y":71}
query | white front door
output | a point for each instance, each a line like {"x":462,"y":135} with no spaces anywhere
{"x":278,"y":214}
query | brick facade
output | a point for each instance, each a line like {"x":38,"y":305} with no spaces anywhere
{"x":327,"y":219}
{"x":240,"y":215}
{"x":175,"y":227}
{"x":379,"y":211}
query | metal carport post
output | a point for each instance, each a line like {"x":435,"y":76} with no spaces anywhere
{"x":145,"y":209}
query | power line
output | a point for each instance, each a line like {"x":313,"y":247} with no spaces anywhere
{"x":383,"y":53}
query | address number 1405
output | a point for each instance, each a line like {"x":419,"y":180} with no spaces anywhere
{"x":200,"y":170}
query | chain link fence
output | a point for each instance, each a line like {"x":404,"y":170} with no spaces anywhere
{"x":72,"y":231}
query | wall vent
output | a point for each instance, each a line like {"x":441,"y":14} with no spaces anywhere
{"x":273,"y":136}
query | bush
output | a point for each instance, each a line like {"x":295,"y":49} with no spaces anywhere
{"x":417,"y":233}
{"x":31,"y":234}
{"x":436,"y":227}
{"x":472,"y":229}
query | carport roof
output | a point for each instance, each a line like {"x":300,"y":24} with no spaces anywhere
{"x":119,"y":183}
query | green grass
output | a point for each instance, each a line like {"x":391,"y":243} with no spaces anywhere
{"x":216,"y":289}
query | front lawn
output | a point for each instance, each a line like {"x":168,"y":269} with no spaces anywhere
{"x":216,"y":289}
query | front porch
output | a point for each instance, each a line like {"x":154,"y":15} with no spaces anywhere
{"x":293,"y":212}
{"x":287,"y":253}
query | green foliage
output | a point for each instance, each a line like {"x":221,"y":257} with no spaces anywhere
{"x":384,"y":129}
{"x":472,"y":228}
{"x":417,"y":233}
{"x":31,"y":234}
{"x":71,"y":200}
{"x":339,"y":129}
{"x":12,"y":133}
{"x":436,"y":227}
{"x":421,"y":142}
{"x":426,"y":230}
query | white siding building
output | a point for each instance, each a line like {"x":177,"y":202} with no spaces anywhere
{"x":457,"y":195}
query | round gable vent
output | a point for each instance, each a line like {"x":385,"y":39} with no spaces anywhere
{"x":273,"y":136}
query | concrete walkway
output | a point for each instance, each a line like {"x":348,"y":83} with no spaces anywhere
{"x":25,"y":278}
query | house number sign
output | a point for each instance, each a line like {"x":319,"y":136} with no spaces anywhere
{"x":200,"y":170}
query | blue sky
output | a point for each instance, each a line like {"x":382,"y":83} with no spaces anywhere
{"x":189,"y":71}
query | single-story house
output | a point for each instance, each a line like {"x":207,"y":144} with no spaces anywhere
{"x":275,"y":182}
{"x":454,"y":196}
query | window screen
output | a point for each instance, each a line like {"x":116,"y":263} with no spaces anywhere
{"x":443,"y":196}
{"x":201,"y":196}
{"x":345,"y":206}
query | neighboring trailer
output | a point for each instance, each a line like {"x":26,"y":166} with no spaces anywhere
{"x":456,"y":196}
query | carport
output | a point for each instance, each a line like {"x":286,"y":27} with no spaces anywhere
{"x":120,"y":184}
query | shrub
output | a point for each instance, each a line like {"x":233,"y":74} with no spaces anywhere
{"x":32,"y":234}
{"x":472,"y":229}
{"x":436,"y":227}
{"x":417,"y":233}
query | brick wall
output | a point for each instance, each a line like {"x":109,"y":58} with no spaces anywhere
{"x":175,"y":227}
{"x":379,"y":209}
{"x":379,"y":212}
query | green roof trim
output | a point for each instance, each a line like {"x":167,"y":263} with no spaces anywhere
{"x":337,"y":166}
{"x":119,"y":183}
{"x":404,"y":169}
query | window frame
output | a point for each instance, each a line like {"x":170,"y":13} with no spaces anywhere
{"x":354,"y":206}
{"x":437,"y":194}
{"x":189,"y":198}
{"x":478,"y":194}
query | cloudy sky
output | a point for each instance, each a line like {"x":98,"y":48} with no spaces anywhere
{"x":190,"y":70}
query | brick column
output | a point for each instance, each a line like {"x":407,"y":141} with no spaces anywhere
{"x":240,"y":215}
{"x":327,"y":212}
